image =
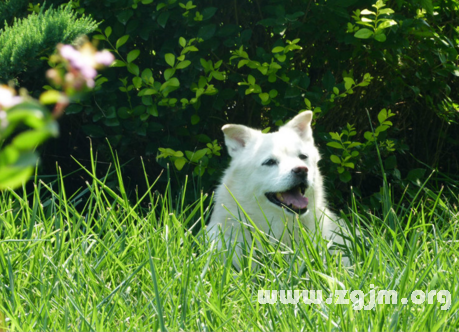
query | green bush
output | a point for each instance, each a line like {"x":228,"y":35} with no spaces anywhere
{"x":10,"y":9}
{"x":186,"y":68}
{"x":28,"y":39}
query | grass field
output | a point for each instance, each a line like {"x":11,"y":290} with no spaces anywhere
{"x":99,"y":262}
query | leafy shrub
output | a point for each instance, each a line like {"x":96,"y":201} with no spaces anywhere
{"x":74,"y":73}
{"x":10,"y":9}
{"x":18,"y":159}
{"x":185,"y":68}
{"x":39,"y":34}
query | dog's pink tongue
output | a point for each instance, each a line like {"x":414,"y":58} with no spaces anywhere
{"x":293,"y":197}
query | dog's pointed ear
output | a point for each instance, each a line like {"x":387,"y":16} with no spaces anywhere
{"x":237,"y":137}
{"x":301,"y":124}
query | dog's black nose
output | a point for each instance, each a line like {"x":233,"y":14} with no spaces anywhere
{"x":302,"y":170}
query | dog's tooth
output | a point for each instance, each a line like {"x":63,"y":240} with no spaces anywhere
{"x":280,"y":197}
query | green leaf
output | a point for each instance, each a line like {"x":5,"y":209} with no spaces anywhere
{"x":183,"y":64}
{"x":242,"y":63}
{"x":133,"y":55}
{"x":50,"y":97}
{"x":111,"y":122}
{"x":147,"y":100}
{"x":170,"y":59}
{"x":179,"y":163}
{"x":206,"y":65}
{"x":369,"y":136}
{"x":363,"y":33}
{"x":251,"y":80}
{"x":428,"y":6}
{"x":153,"y":110}
{"x":202,"y":82}
{"x":108,"y":31}
{"x":281,"y":58}
{"x":335,"y":145}
{"x":173,"y":82}
{"x":196,"y":156}
{"x":206,"y":32}
{"x":162,"y":19}
{"x":382,"y":115}
{"x":348,"y":83}
{"x":272,"y":78}
{"x":120,"y":42}
{"x":195,"y":119}
{"x":13,"y":177}
{"x":386,"y":11}
{"x":123,"y":113}
{"x":133,"y":69}
{"x":147,"y":74}
{"x":199,"y":170}
{"x":264,"y":97}
{"x":273,"y":93}
{"x":208,"y":12}
{"x":278,"y":49}
{"x":367,"y":12}
{"x":147,"y":92}
{"x":137,"y":81}
{"x":73,"y":109}
{"x":263,"y":70}
{"x":99,"y":37}
{"x":30,"y":139}
{"x":335,"y":136}
{"x":345,"y":177}
{"x":182,"y":41}
{"x":118,"y":63}
{"x":386,"y":24}
{"x":101,"y":80}
{"x":416,"y":174}
{"x":168,"y":73}
{"x":335,"y":159}
{"x":381,"y":37}
{"x":123,"y":16}
{"x":336,"y":90}
{"x":292,"y":92}
{"x":218,"y":75}
{"x":177,"y":154}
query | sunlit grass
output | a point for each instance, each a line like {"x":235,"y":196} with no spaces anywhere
{"x":97,"y":261}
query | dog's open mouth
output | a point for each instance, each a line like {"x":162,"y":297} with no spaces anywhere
{"x":292,"y":199}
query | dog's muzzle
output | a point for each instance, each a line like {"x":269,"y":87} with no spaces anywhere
{"x":292,"y":199}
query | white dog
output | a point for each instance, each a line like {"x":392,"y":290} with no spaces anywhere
{"x":275,"y":179}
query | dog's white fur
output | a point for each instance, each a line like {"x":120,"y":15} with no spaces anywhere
{"x":247,"y":179}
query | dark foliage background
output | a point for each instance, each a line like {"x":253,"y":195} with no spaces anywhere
{"x":153,"y":98}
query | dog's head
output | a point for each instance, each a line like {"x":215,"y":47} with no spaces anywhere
{"x":278,"y":168}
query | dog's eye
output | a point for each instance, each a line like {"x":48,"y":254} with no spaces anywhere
{"x":270,"y":162}
{"x":303,"y":156}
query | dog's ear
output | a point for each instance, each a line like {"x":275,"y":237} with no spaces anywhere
{"x":236,"y":137}
{"x":301,"y":124}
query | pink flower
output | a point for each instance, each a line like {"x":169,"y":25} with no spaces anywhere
{"x":8,"y":97}
{"x":105,"y":58}
{"x":86,"y":60}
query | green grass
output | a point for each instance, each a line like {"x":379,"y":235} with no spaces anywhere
{"x":98,"y":262}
